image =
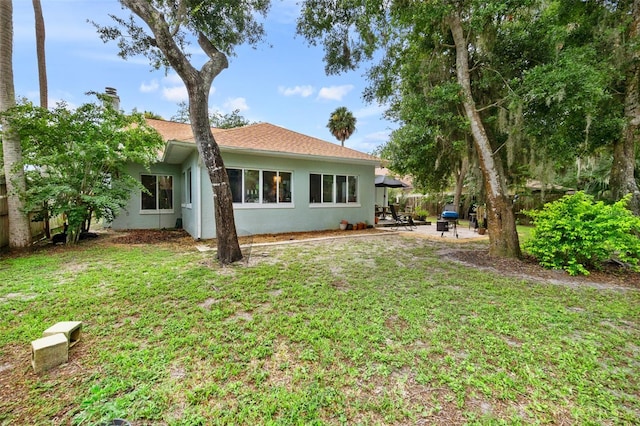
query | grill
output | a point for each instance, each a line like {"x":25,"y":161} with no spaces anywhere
{"x":448,"y":219}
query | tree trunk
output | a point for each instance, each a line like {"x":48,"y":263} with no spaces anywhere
{"x":198,"y":83}
{"x":42,"y":63}
{"x":462,"y":174}
{"x":226,"y":236}
{"x":44,"y":90}
{"x":503,"y":236}
{"x":623,"y":181}
{"x":19,"y":227}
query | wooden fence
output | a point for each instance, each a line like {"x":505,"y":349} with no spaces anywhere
{"x":37,"y":228}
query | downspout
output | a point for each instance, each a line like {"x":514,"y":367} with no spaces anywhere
{"x":199,"y":209}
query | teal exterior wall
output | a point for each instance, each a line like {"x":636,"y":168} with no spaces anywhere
{"x":132,"y":216}
{"x":191,"y":210}
{"x":299,"y":215}
{"x":251,"y":219}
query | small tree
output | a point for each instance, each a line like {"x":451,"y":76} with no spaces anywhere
{"x":575,"y":234}
{"x":216,"y":119}
{"x":342,"y":124}
{"x":228,"y":121}
{"x":152,"y":115}
{"x":76,"y":160}
{"x":182,"y":115}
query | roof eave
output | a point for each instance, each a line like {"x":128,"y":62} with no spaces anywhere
{"x":170,"y":149}
{"x":172,"y":144}
{"x":280,"y":154}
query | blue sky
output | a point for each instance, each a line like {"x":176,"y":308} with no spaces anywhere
{"x":282,"y":81}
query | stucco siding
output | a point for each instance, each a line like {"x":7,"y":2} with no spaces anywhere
{"x":208,"y":228}
{"x":189,"y":208}
{"x":132,"y":216}
{"x":196,"y":211}
{"x":300,"y":215}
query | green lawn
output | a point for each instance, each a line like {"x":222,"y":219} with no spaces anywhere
{"x":377,"y":330}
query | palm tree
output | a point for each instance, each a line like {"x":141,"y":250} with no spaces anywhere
{"x":342,"y":124}
{"x":19,"y":227}
{"x":44,"y":88}
{"x":42,"y":63}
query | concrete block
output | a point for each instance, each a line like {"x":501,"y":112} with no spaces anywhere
{"x":48,"y":352}
{"x":71,"y":330}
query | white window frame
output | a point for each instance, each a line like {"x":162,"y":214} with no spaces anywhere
{"x":334,"y":193}
{"x":261,"y":204}
{"x":157,"y":210}
{"x":187,"y":191}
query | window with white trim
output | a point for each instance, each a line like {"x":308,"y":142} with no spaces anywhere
{"x":187,"y":193}
{"x":334,"y":189}
{"x":251,"y":186}
{"x":159,"y":193}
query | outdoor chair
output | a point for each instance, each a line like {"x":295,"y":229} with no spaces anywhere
{"x":401,"y":220}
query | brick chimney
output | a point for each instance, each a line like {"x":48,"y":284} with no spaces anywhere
{"x":112,"y":93}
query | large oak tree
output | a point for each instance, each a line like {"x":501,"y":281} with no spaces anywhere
{"x":581,"y":100}
{"x":218,"y":27}
{"x":459,"y":31}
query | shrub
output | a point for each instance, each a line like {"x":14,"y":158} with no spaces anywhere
{"x":576,"y":234}
{"x":421,"y":212}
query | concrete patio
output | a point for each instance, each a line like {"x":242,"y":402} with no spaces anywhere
{"x":429,"y":230}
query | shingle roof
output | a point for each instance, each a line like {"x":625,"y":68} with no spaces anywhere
{"x":172,"y":131}
{"x":262,"y":137}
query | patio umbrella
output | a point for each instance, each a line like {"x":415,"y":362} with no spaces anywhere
{"x":384,"y":181}
{"x":389,"y":182}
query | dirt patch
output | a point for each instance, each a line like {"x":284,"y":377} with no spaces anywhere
{"x":152,"y":236}
{"x":610,"y":277}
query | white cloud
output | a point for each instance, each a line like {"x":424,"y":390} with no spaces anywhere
{"x":172,"y":79}
{"x":174,"y":90}
{"x":104,"y":55}
{"x":233,"y":104}
{"x":370,"y":111}
{"x":175,"y":94}
{"x":215,"y":108}
{"x":152,"y":86}
{"x":335,"y":93}
{"x":369,"y":142}
{"x":304,"y":91}
{"x":379,"y":136}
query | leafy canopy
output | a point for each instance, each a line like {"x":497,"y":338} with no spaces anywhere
{"x":414,"y":71}
{"x":76,"y":160}
{"x":224,"y":24}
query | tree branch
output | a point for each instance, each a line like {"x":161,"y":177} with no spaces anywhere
{"x":217,"y":60}
{"x":163,"y":37}
{"x":492,"y":105}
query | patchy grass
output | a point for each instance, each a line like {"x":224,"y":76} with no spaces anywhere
{"x":375,"y":330}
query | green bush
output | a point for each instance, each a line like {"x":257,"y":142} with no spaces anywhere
{"x":577,"y":234}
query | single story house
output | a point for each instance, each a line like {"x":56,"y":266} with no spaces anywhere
{"x":281,"y":181}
